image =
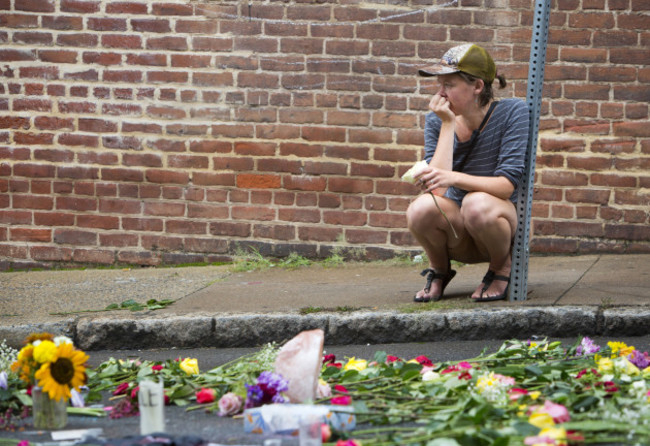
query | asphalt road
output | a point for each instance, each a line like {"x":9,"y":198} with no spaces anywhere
{"x":229,"y":431}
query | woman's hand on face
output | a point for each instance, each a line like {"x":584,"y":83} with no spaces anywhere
{"x":440,"y":106}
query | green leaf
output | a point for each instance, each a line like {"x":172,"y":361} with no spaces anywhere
{"x":112,"y":307}
{"x":584,"y":403}
{"x":525,"y":429}
{"x":380,"y":357}
{"x":128,"y":303}
{"x":534,"y":370}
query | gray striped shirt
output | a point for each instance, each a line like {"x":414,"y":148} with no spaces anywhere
{"x":499,"y":150}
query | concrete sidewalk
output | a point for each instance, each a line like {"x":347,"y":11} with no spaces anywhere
{"x":355,"y":303}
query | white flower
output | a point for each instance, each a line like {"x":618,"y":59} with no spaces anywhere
{"x":323,"y":390}
{"x":409,"y":175}
{"x":638,"y":389}
{"x":430,"y":376}
{"x":62,"y":340}
{"x":3,"y":380}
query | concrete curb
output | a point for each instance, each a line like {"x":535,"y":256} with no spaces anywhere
{"x":252,"y":330}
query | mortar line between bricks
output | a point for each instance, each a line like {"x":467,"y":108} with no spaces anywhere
{"x":577,"y":281}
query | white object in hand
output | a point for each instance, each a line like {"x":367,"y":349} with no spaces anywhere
{"x":409,"y":175}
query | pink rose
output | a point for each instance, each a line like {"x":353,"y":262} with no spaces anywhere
{"x":230,"y":404}
{"x":204,"y":396}
{"x":517,"y":393}
{"x":390,"y":359}
{"x":422,"y":359}
{"x":156,"y":368}
{"x":558,"y":412}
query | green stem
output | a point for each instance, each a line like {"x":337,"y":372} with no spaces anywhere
{"x":443,"y":214}
{"x":86,"y":411}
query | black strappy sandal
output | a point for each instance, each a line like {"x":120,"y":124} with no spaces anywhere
{"x":431,"y":276}
{"x":490,"y":277}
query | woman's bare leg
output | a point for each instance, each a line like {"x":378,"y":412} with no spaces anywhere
{"x":491,"y":223}
{"x":432,"y":231}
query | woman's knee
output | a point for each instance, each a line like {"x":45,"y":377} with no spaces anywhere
{"x":420,"y":213}
{"x":480,"y":210}
{"x":415,"y":213}
{"x":477,"y":208}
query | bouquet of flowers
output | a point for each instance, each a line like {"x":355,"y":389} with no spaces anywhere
{"x":51,"y":363}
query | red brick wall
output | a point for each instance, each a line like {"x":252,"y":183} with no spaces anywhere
{"x":166,"y":131}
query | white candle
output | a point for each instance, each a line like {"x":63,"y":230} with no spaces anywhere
{"x":151,"y":399}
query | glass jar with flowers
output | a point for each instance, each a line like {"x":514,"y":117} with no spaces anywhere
{"x":51,"y":367}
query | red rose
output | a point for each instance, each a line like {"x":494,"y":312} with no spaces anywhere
{"x":204,"y":396}
{"x":340,"y":388}
{"x":121,"y":389}
{"x":343,"y":400}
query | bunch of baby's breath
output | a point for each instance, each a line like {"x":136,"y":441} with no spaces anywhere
{"x":266,"y":357}
{"x":7,"y":356}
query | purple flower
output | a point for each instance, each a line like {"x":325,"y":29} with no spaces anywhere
{"x":641,"y":360}
{"x":254,"y":396}
{"x":267,"y":390}
{"x":273,"y":381}
{"x":3,"y":380}
{"x":587,"y":347}
{"x":76,"y":398}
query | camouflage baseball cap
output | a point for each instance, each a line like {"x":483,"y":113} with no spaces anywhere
{"x":468,"y":58}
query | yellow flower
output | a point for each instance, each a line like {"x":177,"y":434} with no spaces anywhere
{"x":541,"y":420}
{"x":623,"y":366}
{"x":486,"y":381}
{"x":534,"y":394}
{"x":45,"y":351}
{"x":521,"y":410}
{"x":190,"y":366}
{"x":558,"y":434}
{"x":646,"y":373}
{"x":66,"y":370}
{"x":605,"y":365}
{"x":26,"y":352}
{"x":355,"y":364}
{"x":620,"y":349}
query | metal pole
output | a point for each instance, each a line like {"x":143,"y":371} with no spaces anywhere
{"x":520,"y":249}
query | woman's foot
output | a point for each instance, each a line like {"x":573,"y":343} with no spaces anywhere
{"x":436,"y":284}
{"x":494,"y":286}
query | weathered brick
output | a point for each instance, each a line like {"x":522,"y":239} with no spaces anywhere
{"x":74,"y":237}
{"x":35,"y":5}
{"x":126,"y":7}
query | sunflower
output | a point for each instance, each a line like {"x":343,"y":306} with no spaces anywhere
{"x":67,"y":370}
